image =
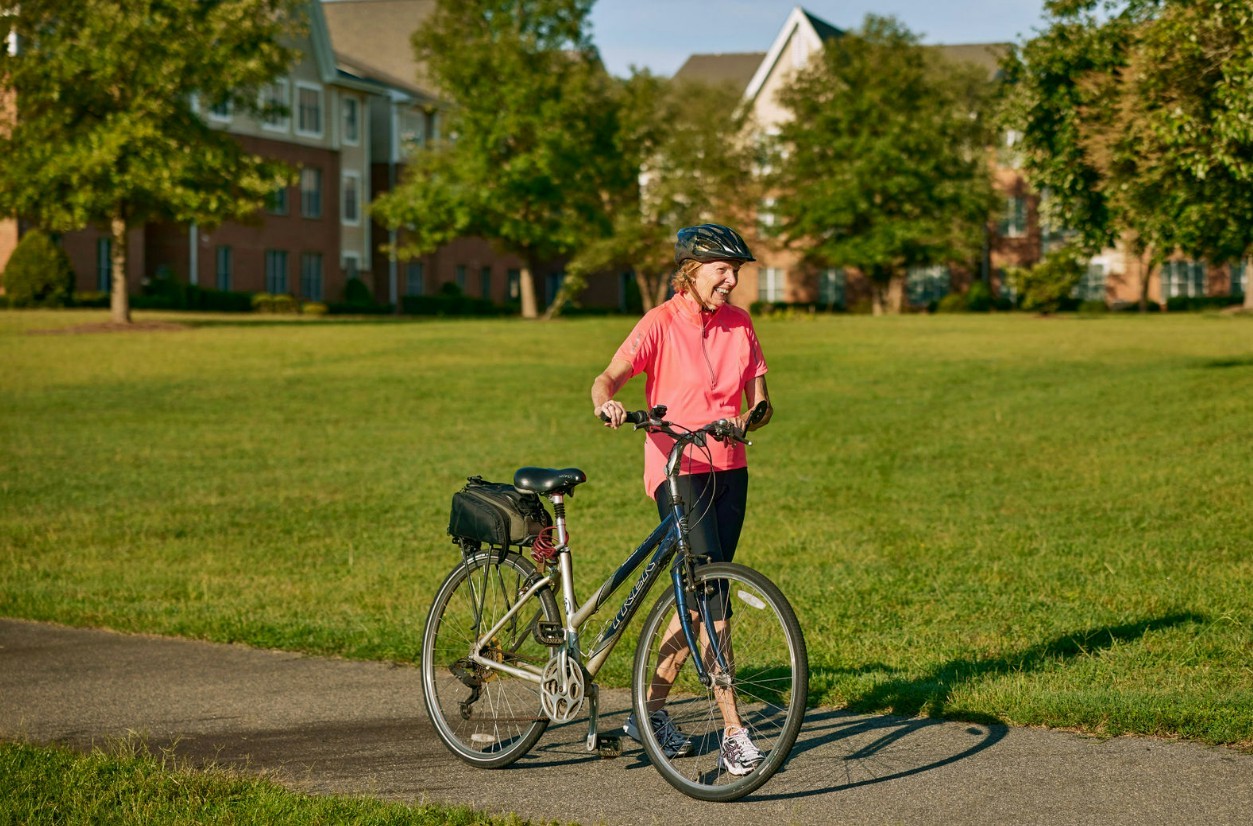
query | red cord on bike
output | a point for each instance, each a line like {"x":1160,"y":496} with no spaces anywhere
{"x":543,"y":550}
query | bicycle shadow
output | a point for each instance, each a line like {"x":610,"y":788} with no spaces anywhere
{"x":919,"y":710}
{"x":900,"y":727}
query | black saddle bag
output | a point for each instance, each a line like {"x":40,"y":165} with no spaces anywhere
{"x":496,"y":514}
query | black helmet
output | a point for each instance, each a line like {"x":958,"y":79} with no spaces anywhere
{"x":710,"y":242}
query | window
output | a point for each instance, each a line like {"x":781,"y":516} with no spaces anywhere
{"x":513,"y":285}
{"x":104,"y":263}
{"x":220,"y":111}
{"x":1014,"y":221}
{"x":278,"y":202}
{"x":770,"y":283}
{"x":460,"y":275}
{"x":275,"y":115}
{"x":311,"y":276}
{"x":311,"y":192}
{"x":831,"y":285}
{"x":352,"y":266}
{"x":224,"y":267}
{"x":926,"y":284}
{"x":308,"y":110}
{"x":351,"y":198}
{"x":414,"y":278}
{"x":765,"y":214}
{"x":275,"y":271}
{"x":1239,"y":278}
{"x":485,"y":281}
{"x":352,"y":121}
{"x":1091,"y":286}
{"x":1183,"y":279}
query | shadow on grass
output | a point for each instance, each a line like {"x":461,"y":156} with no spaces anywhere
{"x":1219,"y":364}
{"x":862,"y":749}
{"x":929,"y":695}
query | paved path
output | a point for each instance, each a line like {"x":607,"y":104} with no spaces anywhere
{"x":334,"y":726}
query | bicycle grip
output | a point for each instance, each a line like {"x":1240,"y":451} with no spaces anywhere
{"x":632,"y":417}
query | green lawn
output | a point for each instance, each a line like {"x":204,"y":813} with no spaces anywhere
{"x":1043,"y":521}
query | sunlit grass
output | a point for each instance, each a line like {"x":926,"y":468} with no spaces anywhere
{"x":1040,"y":521}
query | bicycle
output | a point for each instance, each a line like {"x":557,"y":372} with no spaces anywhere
{"x":502,"y":655}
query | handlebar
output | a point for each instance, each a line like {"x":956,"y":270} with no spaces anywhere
{"x":721,"y":429}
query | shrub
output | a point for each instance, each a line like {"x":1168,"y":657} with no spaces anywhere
{"x":1093,"y":308}
{"x":91,"y":298}
{"x":316,"y":308}
{"x":38,"y":273}
{"x":979,"y":297}
{"x":952,"y":303}
{"x":356,"y":292}
{"x":1046,"y":287}
{"x":280,"y":303}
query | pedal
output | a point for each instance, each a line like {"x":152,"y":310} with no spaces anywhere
{"x":608,"y":747}
{"x":549,"y":633}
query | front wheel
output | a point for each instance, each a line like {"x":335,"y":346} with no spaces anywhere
{"x":764,"y":683}
{"x":486,"y":716}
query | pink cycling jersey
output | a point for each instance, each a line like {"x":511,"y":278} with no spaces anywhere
{"x":698,"y":364}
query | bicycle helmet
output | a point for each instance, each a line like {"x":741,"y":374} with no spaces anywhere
{"x":710,"y":242}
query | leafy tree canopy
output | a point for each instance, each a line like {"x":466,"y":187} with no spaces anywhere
{"x":1137,"y":118}
{"x":104,"y":130}
{"x":691,"y":147}
{"x":529,"y":148}
{"x":882,"y":163}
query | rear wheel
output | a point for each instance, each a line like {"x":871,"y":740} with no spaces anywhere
{"x":484,"y":715}
{"x":765,"y":684}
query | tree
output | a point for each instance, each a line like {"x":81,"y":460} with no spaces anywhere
{"x":1135,"y":118}
{"x":882,"y":162}
{"x":529,"y":151}
{"x":104,"y":131}
{"x":688,"y":149}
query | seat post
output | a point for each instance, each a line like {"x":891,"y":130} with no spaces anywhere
{"x":564,"y":562}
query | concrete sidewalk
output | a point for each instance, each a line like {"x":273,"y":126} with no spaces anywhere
{"x":333,"y":726}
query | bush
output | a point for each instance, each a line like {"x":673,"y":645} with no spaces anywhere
{"x":447,"y":303}
{"x":1197,"y":303}
{"x":315,"y":308}
{"x":1093,"y":308}
{"x":278,"y":304}
{"x":90,"y":298}
{"x":38,"y":274}
{"x":952,"y":303}
{"x":1046,"y":287}
{"x":979,"y":298}
{"x":356,"y":292}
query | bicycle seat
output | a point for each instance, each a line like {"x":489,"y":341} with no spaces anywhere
{"x":548,"y":480}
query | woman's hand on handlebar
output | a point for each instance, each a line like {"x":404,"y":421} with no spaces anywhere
{"x":612,"y":413}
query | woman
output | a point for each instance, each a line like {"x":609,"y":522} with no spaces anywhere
{"x":702,"y":360}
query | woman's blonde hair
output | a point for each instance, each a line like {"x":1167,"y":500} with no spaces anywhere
{"x":681,"y":281}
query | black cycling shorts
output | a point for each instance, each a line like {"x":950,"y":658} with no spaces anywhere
{"x":716,"y":503}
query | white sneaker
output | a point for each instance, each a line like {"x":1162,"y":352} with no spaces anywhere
{"x":674,"y":743}
{"x":738,"y":755}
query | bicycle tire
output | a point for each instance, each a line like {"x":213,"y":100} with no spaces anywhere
{"x":487,"y":717}
{"x":769,"y":682}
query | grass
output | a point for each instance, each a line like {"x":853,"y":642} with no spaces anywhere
{"x":125,"y":784}
{"x":1034,"y":521}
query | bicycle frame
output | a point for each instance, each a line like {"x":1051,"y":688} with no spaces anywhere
{"x":664,"y":544}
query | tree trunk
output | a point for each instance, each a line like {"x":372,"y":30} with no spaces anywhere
{"x":649,"y":289}
{"x":877,"y":295}
{"x":119,"y":301}
{"x":1248,"y":282}
{"x":1146,"y":272}
{"x":896,"y":294}
{"x":526,"y":288}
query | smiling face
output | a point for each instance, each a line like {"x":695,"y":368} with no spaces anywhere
{"x":713,"y":282}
